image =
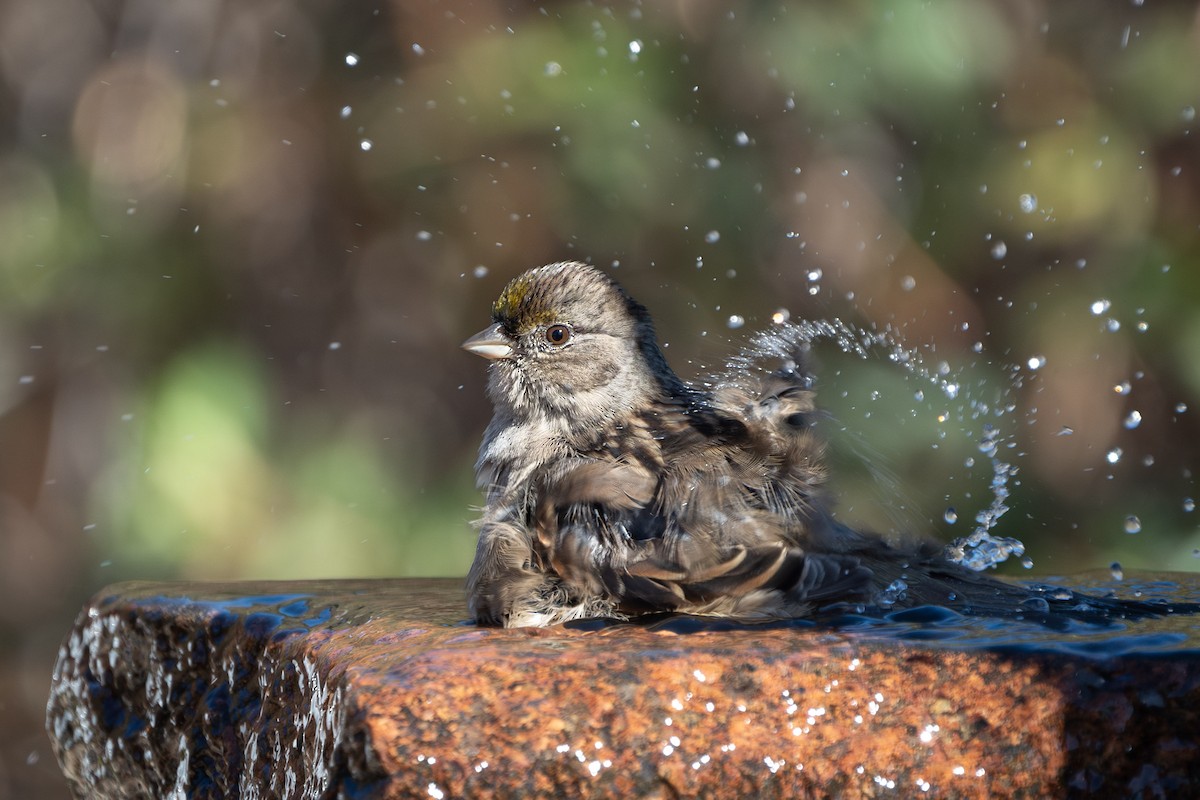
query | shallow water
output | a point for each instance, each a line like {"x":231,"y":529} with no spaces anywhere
{"x":1172,"y":633}
{"x":1176,"y":633}
{"x":441,"y":603}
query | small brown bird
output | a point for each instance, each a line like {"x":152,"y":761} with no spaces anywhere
{"x":615,"y":488}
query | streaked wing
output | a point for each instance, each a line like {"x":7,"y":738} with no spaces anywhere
{"x":770,"y":580}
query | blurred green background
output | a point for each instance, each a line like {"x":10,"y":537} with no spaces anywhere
{"x":241,"y":242}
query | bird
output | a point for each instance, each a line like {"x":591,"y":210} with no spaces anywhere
{"x":613,"y":488}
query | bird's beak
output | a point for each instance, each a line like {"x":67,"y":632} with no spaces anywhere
{"x":491,"y":343}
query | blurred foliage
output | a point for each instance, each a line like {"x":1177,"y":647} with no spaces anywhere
{"x":240,"y":243}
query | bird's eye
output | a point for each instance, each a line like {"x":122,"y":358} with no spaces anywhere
{"x":558,"y":334}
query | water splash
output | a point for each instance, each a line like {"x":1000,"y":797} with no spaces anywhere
{"x":788,"y":342}
{"x":982,"y":550}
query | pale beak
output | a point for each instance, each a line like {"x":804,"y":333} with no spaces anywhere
{"x":491,"y":343}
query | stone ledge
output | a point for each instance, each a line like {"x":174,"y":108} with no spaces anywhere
{"x":375,"y":689}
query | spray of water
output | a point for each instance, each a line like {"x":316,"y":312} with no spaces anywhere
{"x":786,"y":343}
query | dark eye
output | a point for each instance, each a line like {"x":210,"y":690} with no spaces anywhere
{"x":558,"y":334}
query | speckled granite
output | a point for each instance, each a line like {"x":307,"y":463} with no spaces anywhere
{"x":379,"y":690}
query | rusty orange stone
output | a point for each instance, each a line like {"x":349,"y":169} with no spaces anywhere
{"x":380,"y":689}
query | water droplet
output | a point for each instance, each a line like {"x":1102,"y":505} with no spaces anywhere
{"x":480,"y":271}
{"x":635,"y":47}
{"x":1028,"y":203}
{"x":1133,"y":420}
{"x":1117,"y":573}
{"x":1123,"y":388}
{"x":1133,"y":524}
{"x":712,"y":237}
{"x":552,"y":69}
{"x":351,"y":59}
{"x":1112,"y":325}
{"x":1188,"y":113}
{"x":893,"y":594}
{"x":815,"y":274}
{"x":735,"y":321}
{"x":417,"y":49}
{"x":1036,"y":362}
{"x":712,"y":163}
{"x":999,"y":250}
{"x":951,"y":516}
{"x":1036,"y":605}
{"x":781,"y":316}
{"x":908,"y":283}
{"x":424,"y":236}
{"x":345,"y":113}
{"x":1113,"y":456}
{"x":1100,"y":306}
{"x":742,"y":138}
{"x":366,"y":144}
{"x":1189,"y":505}
{"x":1180,"y":408}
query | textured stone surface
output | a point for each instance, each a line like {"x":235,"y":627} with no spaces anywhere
{"x":380,"y":690}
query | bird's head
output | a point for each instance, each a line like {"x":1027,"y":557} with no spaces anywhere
{"x":567,"y":342}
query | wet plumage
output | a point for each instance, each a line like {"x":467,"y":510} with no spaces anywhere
{"x":614,"y":488}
